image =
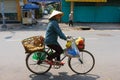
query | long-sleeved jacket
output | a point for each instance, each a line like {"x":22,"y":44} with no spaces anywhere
{"x":52,"y":33}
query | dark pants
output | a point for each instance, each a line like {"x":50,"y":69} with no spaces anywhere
{"x":70,"y":22}
{"x":58,"y":50}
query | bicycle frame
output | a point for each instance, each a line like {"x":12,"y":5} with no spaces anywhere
{"x":51,"y":50}
{"x":76,"y":63}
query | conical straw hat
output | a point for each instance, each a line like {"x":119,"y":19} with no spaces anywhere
{"x":54,"y":13}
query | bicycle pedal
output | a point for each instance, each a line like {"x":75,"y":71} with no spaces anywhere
{"x":57,"y":66}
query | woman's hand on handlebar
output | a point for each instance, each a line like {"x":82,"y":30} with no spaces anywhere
{"x":69,"y":38}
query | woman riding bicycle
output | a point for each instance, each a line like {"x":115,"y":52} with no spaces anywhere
{"x":52,"y":34}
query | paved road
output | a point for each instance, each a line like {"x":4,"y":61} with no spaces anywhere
{"x":104,"y":44}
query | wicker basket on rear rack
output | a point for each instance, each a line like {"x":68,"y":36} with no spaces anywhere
{"x":34,"y":43}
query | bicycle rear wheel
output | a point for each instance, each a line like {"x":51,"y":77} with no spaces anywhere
{"x":83,"y":64}
{"x":37,"y":66}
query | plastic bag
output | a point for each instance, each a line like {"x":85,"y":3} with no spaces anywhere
{"x":73,"y":51}
{"x":75,"y":48}
{"x":39,"y":55}
{"x":68,"y":44}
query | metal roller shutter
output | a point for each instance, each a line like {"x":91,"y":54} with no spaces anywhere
{"x":10,"y":6}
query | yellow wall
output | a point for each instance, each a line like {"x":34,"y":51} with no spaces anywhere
{"x":25,"y":1}
{"x":19,"y":9}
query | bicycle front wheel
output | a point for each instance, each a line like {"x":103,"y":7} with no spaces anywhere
{"x":83,"y":64}
{"x":36,"y":65}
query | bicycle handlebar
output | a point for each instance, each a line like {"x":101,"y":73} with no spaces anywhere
{"x":70,"y":38}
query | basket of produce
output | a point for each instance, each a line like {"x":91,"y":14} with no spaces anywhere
{"x":34,"y":43}
{"x":80,"y":42}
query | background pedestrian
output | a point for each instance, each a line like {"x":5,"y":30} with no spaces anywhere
{"x":70,"y":19}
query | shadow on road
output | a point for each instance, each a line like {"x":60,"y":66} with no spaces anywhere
{"x":64,"y":76}
{"x":20,"y":27}
{"x":12,"y":33}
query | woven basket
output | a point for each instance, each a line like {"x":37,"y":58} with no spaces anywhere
{"x":32,"y":44}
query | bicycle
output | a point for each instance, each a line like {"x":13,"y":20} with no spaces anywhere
{"x":81,"y":64}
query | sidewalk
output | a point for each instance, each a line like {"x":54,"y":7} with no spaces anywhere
{"x":42,"y":24}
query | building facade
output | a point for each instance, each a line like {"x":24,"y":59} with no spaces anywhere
{"x":12,"y":10}
{"x":91,"y":10}
{"x":83,"y":10}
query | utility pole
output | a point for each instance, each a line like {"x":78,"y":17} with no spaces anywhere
{"x":4,"y":26}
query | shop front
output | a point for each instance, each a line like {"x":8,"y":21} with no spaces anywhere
{"x":28,"y":13}
{"x":92,"y":10}
{"x":12,"y":10}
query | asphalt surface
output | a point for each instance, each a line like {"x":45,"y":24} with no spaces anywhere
{"x":103,"y":44}
{"x":102,"y":39}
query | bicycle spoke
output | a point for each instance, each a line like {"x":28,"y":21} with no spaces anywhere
{"x":37,"y":66}
{"x":83,"y":64}
{"x":33,"y":64}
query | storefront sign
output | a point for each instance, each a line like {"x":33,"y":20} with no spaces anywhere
{"x":87,"y":0}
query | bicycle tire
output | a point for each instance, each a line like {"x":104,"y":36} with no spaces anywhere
{"x":38,"y":67}
{"x":82,"y":67}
